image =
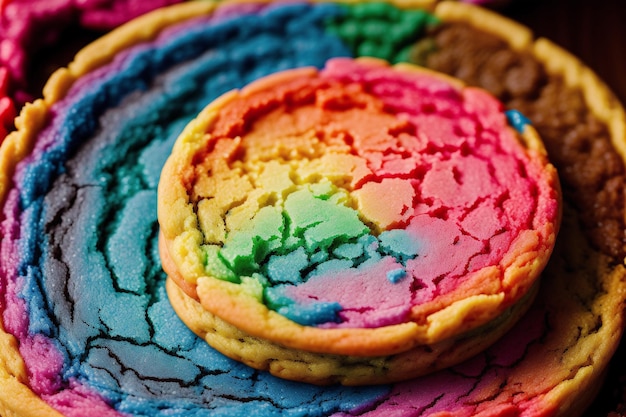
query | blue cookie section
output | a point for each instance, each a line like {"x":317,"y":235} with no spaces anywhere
{"x":91,"y":265}
{"x":517,"y":120}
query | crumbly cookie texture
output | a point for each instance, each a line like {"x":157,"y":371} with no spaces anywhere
{"x":78,"y":191}
{"x":328,"y":369}
{"x":578,"y":118}
{"x":362,"y":205}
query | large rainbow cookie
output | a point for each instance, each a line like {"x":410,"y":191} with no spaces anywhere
{"x":361,"y":210}
{"x":86,"y":324}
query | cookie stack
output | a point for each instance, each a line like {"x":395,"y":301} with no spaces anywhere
{"x":388,"y":217}
{"x":323,"y":215}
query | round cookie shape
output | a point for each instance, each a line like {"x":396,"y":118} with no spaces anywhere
{"x":86,"y":324}
{"x":357,"y":210}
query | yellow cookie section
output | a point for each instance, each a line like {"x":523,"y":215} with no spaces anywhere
{"x":236,"y":166}
{"x":564,"y":366}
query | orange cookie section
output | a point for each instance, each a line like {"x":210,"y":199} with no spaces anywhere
{"x":357,"y":198}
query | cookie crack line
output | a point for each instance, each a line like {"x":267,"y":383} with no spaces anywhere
{"x":171,"y":324}
{"x":302,"y":229}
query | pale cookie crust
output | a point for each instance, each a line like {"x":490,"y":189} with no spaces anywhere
{"x":579,"y":344}
{"x":479,"y":301}
{"x":322,"y":369}
{"x":16,"y":398}
{"x":584,"y":289}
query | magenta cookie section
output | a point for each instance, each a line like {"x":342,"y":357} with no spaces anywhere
{"x":82,"y":289}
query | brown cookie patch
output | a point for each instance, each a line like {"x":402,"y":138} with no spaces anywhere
{"x":578,"y":143}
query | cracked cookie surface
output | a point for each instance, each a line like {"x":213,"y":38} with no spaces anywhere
{"x":59,"y":356}
{"x":370,"y":206}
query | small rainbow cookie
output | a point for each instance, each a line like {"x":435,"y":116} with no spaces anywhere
{"x":359,"y":210}
{"x":86,"y":322}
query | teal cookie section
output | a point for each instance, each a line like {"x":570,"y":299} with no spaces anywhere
{"x":314,"y":234}
{"x":89,"y":233}
{"x":87,"y":243}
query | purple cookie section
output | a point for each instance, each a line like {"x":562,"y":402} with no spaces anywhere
{"x":231,"y":387}
{"x":463,"y":388}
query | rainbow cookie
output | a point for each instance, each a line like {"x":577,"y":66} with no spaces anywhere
{"x":360,"y":210}
{"x":87,"y":327}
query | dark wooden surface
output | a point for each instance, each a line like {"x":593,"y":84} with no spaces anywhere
{"x":593,"y":30}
